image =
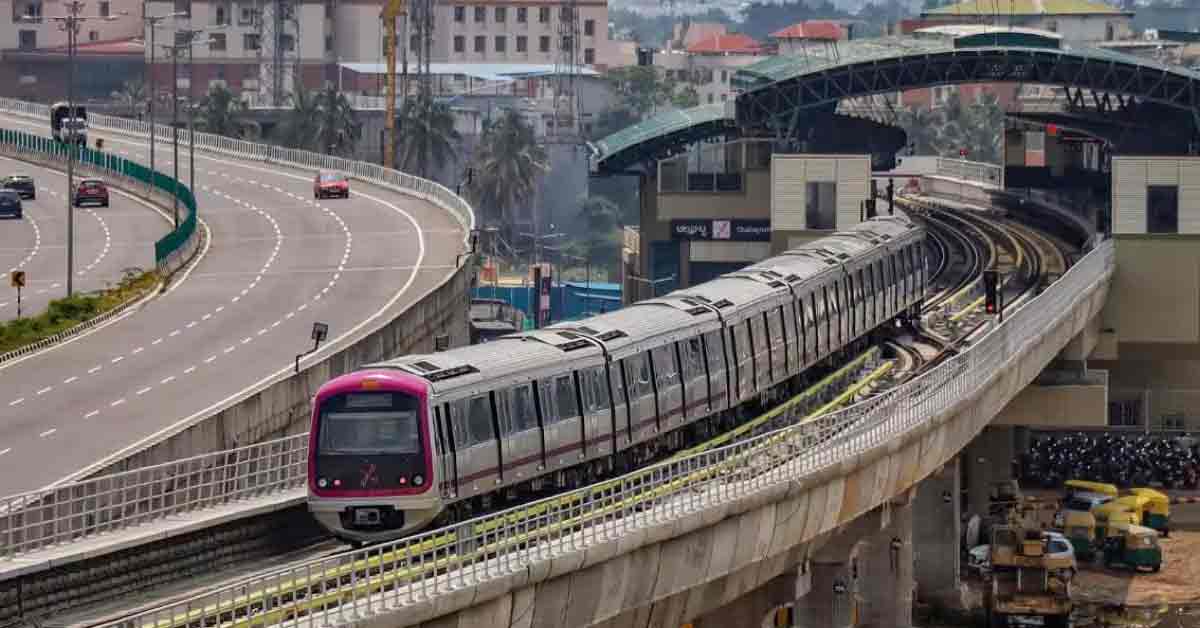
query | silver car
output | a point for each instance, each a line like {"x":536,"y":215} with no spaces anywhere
{"x":1057,"y":546}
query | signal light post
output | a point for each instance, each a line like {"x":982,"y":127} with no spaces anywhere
{"x":993,"y":299}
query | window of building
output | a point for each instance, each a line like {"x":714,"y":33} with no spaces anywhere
{"x":564,"y":14}
{"x":329,"y":10}
{"x":460,"y":14}
{"x":522,"y":43}
{"x":329,"y":43}
{"x":216,"y":42}
{"x":566,"y":42}
{"x":589,"y":27}
{"x":181,"y":38}
{"x":184,"y":7}
{"x":522,"y":15}
{"x":221,"y":16}
{"x":724,"y":97}
{"x":104,"y":9}
{"x":1162,"y":209}
{"x":460,"y":43}
{"x":501,"y":14}
{"x":250,"y":41}
{"x":710,"y":99}
{"x":544,"y":15}
{"x":480,"y":14}
{"x":220,"y":72}
{"x":246,"y":16}
{"x":287,"y":42}
{"x":1052,"y":26}
{"x":544,"y":43}
{"x":1109,"y":32}
{"x":501,"y":44}
{"x":93,"y":35}
{"x":480,"y":43}
{"x":589,"y":55}
{"x":820,"y":211}
{"x":414,"y":42}
{"x":724,"y":76}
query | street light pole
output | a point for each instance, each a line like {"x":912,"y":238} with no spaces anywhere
{"x":191,"y":120}
{"x":175,"y":127}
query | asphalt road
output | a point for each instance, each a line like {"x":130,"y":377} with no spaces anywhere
{"x":278,"y":261}
{"x":108,"y":240}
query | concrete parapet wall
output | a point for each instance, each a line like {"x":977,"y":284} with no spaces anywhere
{"x":669,"y":574}
{"x":280,"y":406}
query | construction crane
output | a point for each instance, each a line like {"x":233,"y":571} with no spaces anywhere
{"x":392,"y":10}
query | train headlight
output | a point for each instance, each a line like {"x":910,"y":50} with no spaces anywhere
{"x":322,"y":482}
{"x":418,"y":480}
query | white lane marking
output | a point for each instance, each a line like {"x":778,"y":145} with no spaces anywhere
{"x":48,"y":432}
{"x":118,"y":359}
{"x":219,"y":308}
{"x":303,"y":306}
{"x":5,"y":450}
{"x":107,"y":243}
{"x":167,"y":380}
{"x":188,"y":370}
{"x":37,"y":244}
{"x":143,"y":391}
{"x":230,"y":348}
{"x":138,"y":350}
{"x":290,"y":314}
{"x":263,"y":331}
{"x":117,"y":402}
{"x":70,"y":379}
{"x":174,"y":333}
{"x":275,"y":324}
{"x":91,"y":414}
{"x":246,"y":340}
{"x":16,"y":402}
{"x":157,"y":341}
{"x":206,"y":317}
{"x":208,"y":360}
{"x":45,"y":390}
{"x":191,"y":324}
{"x":94,"y":369}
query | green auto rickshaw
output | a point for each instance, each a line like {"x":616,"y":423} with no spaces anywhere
{"x":1112,"y":513}
{"x":1156,"y":511}
{"x":1133,"y":546}
{"x":1080,"y":530}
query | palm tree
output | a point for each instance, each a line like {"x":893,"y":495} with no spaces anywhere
{"x":337,"y":125}
{"x":299,"y":127}
{"x":507,"y":162}
{"x":222,"y":113}
{"x":132,"y":95}
{"x":427,"y":136}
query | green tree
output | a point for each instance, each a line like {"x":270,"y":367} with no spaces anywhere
{"x":427,"y":136}
{"x":641,"y":88}
{"x":610,"y":121}
{"x":337,"y":126}
{"x":922,"y":126}
{"x":685,"y":97}
{"x":299,"y":126}
{"x":222,"y":113}
{"x":507,"y":164}
{"x":977,"y":127}
{"x":132,"y":96}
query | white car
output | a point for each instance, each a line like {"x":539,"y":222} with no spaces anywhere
{"x":1082,"y":501}
{"x":979,"y":558}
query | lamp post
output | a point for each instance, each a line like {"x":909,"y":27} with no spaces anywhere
{"x":653,"y":282}
{"x":152,"y":22}
{"x":70,"y":23}
{"x":185,"y":38}
{"x":534,"y":257}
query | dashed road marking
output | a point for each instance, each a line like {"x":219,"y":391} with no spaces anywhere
{"x":94,"y":369}
{"x":91,"y":414}
{"x":117,"y":402}
{"x":167,"y":380}
{"x":188,"y":370}
{"x":143,"y":391}
{"x":16,"y":402}
{"x":45,"y":390}
{"x":70,"y":379}
{"x":48,"y":432}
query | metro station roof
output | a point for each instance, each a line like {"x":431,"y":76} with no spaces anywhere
{"x":658,"y":134}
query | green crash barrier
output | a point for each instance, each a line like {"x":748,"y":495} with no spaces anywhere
{"x":106,"y":162}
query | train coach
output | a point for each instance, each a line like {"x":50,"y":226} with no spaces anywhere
{"x":421,"y":440}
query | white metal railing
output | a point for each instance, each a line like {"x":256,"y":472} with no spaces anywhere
{"x":342,"y":588}
{"x":253,"y":151}
{"x":54,"y":516}
{"x":990,"y":174}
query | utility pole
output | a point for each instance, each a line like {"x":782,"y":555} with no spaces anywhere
{"x":70,"y":23}
{"x":152,"y":23}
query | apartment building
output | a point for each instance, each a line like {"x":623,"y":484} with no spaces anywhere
{"x":706,"y":56}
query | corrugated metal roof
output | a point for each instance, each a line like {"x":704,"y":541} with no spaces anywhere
{"x":1026,"y":7}
{"x":658,"y":126}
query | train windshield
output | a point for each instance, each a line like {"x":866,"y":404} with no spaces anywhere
{"x":369,"y":423}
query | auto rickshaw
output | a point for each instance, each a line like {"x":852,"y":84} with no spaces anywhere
{"x":1083,"y":486}
{"x":1080,"y":529}
{"x":1114,"y":513}
{"x":1133,"y":546}
{"x":1157,"y":512}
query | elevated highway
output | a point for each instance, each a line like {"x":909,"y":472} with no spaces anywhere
{"x":276,"y":261}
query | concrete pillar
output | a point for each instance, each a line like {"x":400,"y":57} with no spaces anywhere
{"x":886,"y":583}
{"x":988,"y":459}
{"x":937,"y":530}
{"x":830,"y":601}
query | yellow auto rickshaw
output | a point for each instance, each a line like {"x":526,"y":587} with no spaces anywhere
{"x":1114,"y":513}
{"x":1133,"y":546}
{"x":1080,"y":530}
{"x":1082,"y":486}
{"x":1157,"y":511}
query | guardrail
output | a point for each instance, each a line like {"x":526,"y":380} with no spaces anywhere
{"x":976,"y":171}
{"x":386,"y":578}
{"x":169,"y":248}
{"x":253,"y":151}
{"x":38,"y":519}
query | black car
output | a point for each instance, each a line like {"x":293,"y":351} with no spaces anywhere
{"x":22,"y":183}
{"x":10,"y":204}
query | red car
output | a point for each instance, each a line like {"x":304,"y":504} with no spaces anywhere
{"x":91,"y":191}
{"x":331,"y":184}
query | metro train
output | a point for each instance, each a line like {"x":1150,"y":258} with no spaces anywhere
{"x":423,"y":440}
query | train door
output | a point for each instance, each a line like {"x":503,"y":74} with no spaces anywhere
{"x":761,"y":341}
{"x":614,"y":390}
{"x":598,"y":409}
{"x":518,"y":420}
{"x":791,"y":337}
{"x":642,"y":412}
{"x":477,"y":450}
{"x":667,"y":385}
{"x":778,"y":343}
{"x":743,"y":359}
{"x":448,"y":477}
{"x":562,"y":425}
{"x":718,"y":373}
{"x":695,"y":381}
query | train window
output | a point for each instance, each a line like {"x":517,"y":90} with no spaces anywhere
{"x":716,"y":355}
{"x":637,"y":371}
{"x":504,"y":413}
{"x":690,"y":352}
{"x":564,"y":395}
{"x":665,"y":368}
{"x":523,"y":408}
{"x":758,"y":334}
{"x":598,"y":381}
{"x":479,"y":420}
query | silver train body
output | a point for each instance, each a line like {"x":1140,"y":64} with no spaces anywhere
{"x":558,"y":407}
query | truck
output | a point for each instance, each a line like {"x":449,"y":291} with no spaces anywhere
{"x":68,"y":123}
{"x":1030,"y":585}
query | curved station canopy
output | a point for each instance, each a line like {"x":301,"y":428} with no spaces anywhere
{"x":773,"y":93}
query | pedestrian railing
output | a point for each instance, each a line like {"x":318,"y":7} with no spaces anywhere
{"x":990,"y":174}
{"x":294,"y":157}
{"x":421,"y":568}
{"x":167,"y":249}
{"x":55,"y":516}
